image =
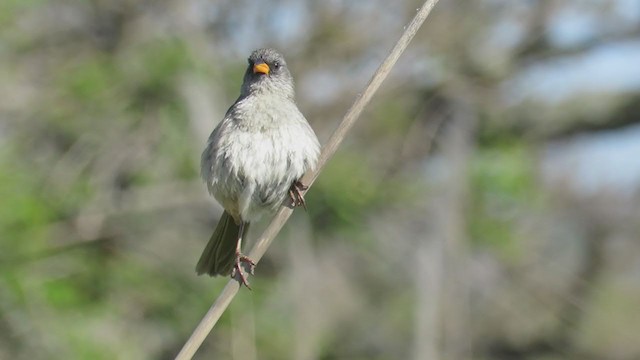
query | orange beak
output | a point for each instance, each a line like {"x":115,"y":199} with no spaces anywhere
{"x":261,"y":68}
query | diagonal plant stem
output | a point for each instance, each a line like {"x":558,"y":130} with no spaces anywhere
{"x":231,"y":289}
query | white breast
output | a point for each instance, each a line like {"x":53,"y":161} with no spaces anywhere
{"x":259,"y":157}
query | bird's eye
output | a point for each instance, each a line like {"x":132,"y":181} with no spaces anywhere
{"x":276,"y":65}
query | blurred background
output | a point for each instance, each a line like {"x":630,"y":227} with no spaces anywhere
{"x":486,"y":206}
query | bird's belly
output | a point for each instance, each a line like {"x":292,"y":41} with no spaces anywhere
{"x":262,"y":167}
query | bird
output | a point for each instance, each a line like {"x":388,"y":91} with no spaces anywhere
{"x":254,"y":159}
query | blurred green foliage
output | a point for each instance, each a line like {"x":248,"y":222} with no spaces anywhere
{"x":503,"y":190}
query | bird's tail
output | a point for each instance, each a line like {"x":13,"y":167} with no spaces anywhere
{"x":219,"y":255}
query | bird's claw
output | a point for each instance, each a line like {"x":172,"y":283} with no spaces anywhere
{"x":295,"y":193}
{"x":237,"y":272}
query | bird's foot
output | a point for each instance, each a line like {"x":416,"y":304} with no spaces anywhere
{"x":295,"y":193}
{"x":237,"y":272}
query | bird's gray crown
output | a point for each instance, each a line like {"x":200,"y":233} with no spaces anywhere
{"x":268,"y":56}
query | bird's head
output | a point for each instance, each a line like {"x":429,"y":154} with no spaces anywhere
{"x":267,"y":73}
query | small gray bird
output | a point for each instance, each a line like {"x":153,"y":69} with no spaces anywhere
{"x":254,"y":159}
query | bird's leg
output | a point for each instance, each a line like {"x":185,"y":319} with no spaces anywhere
{"x":295,"y":193}
{"x":240,"y":259}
